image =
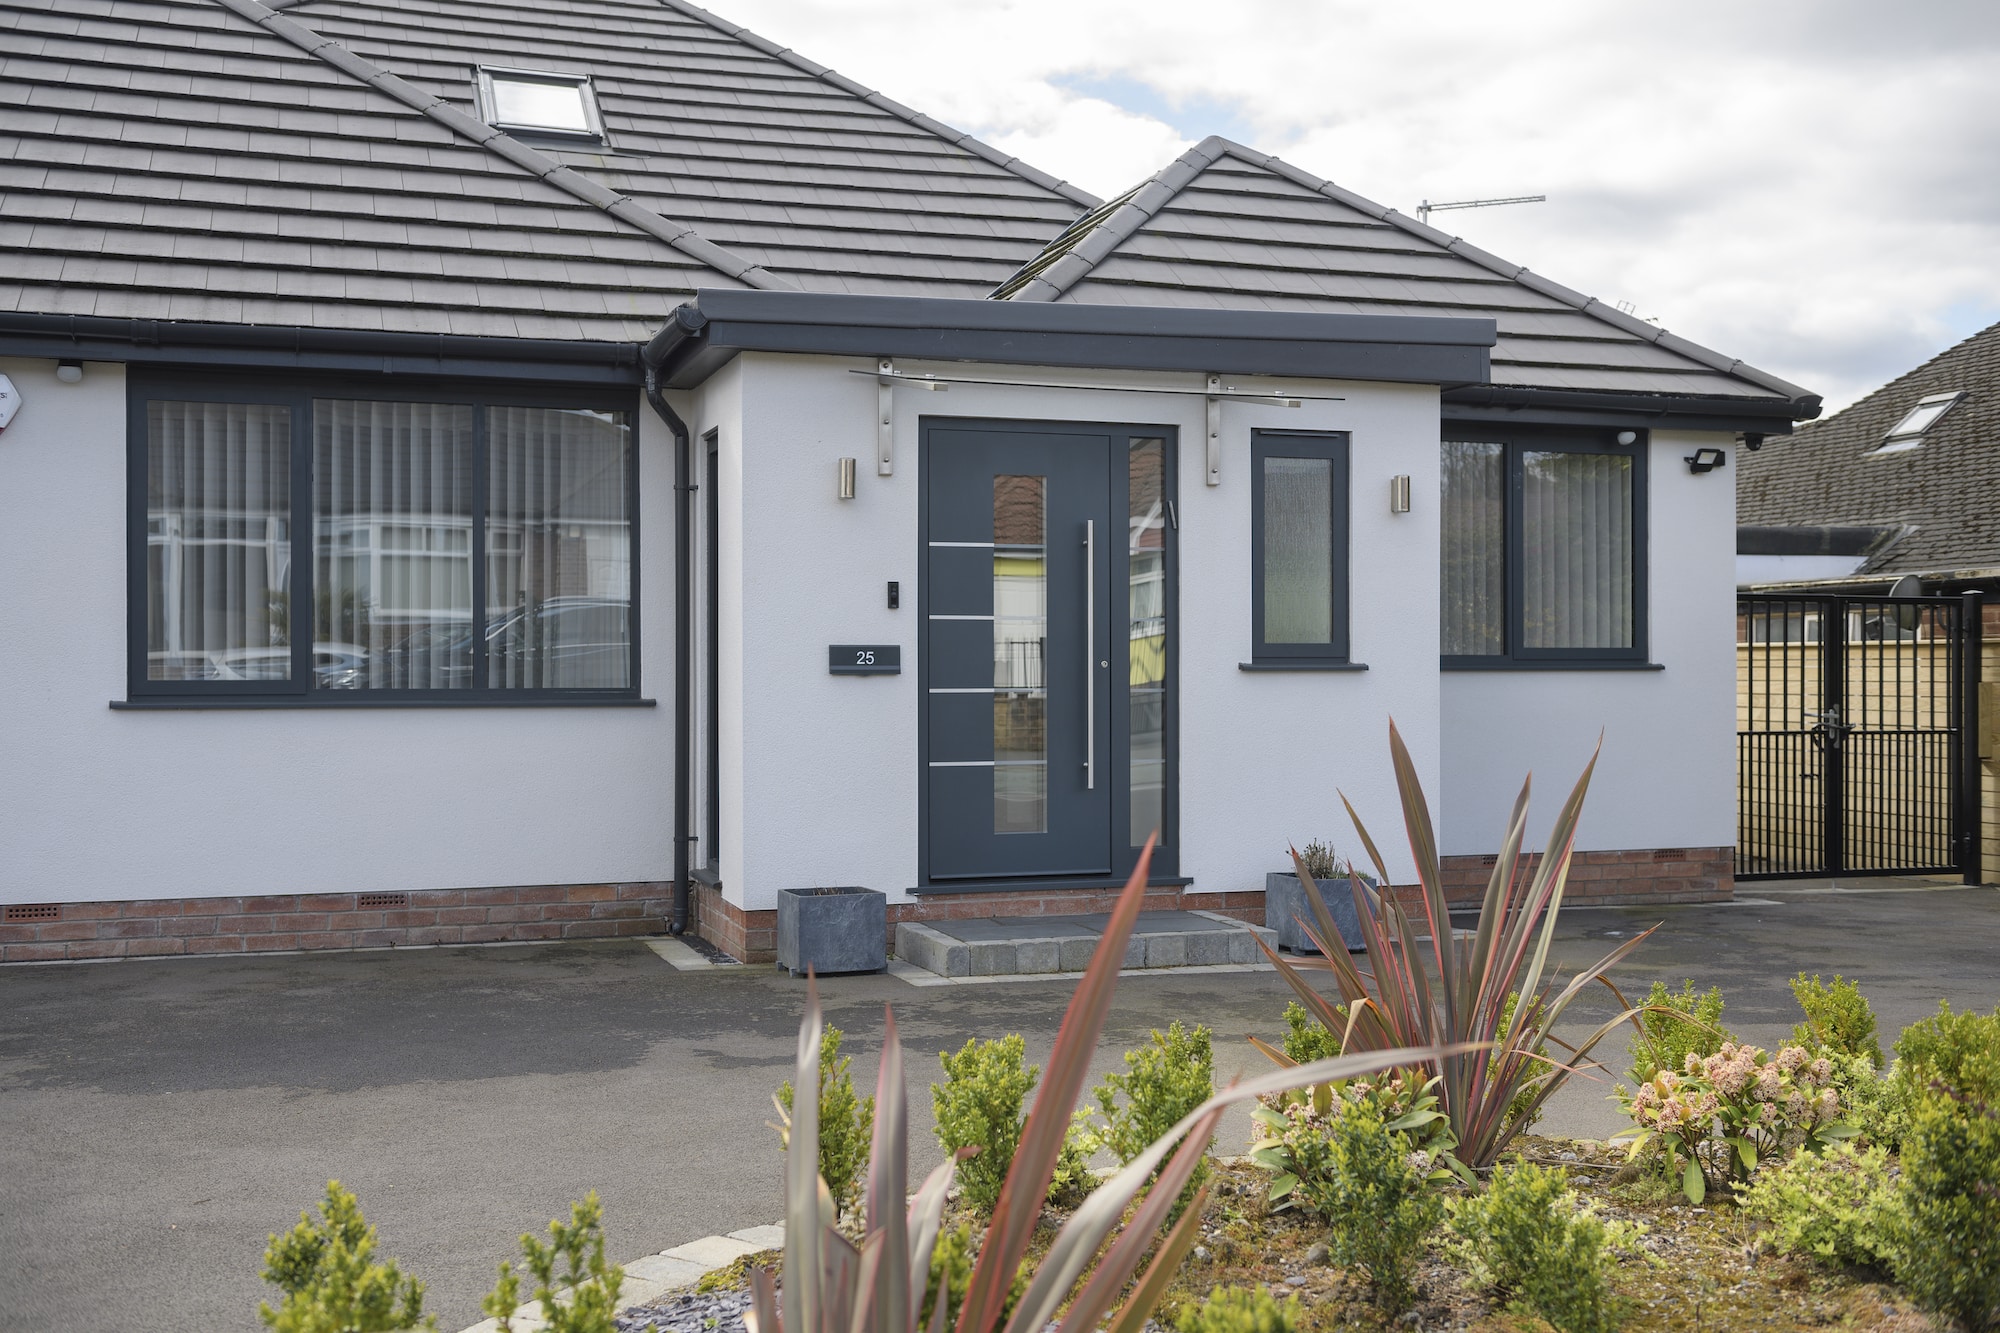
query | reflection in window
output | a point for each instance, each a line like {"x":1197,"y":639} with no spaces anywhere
{"x":558,"y":549}
{"x":1298,"y":550}
{"x":1020,"y":630}
{"x":218,"y":541}
{"x":392,"y":545}
{"x":1146,"y":558}
{"x":1474,"y":573}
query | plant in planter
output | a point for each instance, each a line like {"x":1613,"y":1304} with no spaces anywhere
{"x":834,"y":1286}
{"x":1285,"y":909}
{"x":842,"y":929}
{"x":1449,"y":989}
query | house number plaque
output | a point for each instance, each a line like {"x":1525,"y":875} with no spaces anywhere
{"x":865,"y":659}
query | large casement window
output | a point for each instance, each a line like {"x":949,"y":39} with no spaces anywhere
{"x":341,"y":545}
{"x":1298,"y":549}
{"x":1544,"y":549}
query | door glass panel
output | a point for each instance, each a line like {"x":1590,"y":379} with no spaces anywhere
{"x":1576,"y":550}
{"x":1474,"y":549}
{"x":1298,"y":550}
{"x":1020,"y":631}
{"x":1146,"y":559}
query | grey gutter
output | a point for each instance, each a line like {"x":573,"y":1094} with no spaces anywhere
{"x":1667,"y":411}
{"x":706,"y":333}
{"x":162,"y":341}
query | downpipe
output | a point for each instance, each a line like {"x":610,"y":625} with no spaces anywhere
{"x":677,"y":923}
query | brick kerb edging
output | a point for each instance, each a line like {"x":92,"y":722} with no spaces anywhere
{"x":656,"y":1275}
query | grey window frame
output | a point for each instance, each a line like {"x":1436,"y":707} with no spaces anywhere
{"x":1337,"y":447}
{"x":484,"y":75}
{"x":147,"y":385}
{"x":1517,"y":443}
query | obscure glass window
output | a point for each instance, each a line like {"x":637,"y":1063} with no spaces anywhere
{"x":1542,"y":551}
{"x":539,"y":103}
{"x":1020,"y":640}
{"x":454,"y":548}
{"x":1299,"y":546}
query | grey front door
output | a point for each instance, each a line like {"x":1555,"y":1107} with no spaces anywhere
{"x":1030,"y":758}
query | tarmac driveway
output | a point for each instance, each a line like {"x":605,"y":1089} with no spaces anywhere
{"x":158,"y":1119}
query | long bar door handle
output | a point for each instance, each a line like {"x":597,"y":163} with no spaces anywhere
{"x":1089,"y":654}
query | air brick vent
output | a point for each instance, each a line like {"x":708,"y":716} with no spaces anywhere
{"x":34,"y":912}
{"x":1670,"y":853}
{"x":376,"y":902}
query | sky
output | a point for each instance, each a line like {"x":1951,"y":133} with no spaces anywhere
{"x":1810,"y":185}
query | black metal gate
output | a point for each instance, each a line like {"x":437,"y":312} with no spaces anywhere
{"x":1852,"y":721}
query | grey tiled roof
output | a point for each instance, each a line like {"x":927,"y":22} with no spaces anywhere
{"x":221,"y":161}
{"x":1945,"y":492}
{"x":1228,"y":226}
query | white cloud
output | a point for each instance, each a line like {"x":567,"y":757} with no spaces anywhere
{"x":1808,"y":184}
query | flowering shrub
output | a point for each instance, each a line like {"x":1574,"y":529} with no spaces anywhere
{"x":1295,"y":1131}
{"x":1726,"y":1112}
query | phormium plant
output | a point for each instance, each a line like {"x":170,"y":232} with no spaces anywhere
{"x":1446,"y":990}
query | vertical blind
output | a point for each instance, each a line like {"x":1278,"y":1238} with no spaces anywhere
{"x":1576,"y":550}
{"x":1474,"y":557}
{"x":392,"y":542}
{"x":218,"y":541}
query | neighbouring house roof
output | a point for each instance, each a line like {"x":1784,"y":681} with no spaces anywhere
{"x":1942,"y":496}
{"x":320,"y":164}
{"x":1226,"y":226}
{"x":706,"y":333}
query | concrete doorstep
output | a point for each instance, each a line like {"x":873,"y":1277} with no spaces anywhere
{"x":991,"y":947}
{"x":652,"y":1277}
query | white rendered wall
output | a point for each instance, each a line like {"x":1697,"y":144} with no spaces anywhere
{"x":101,"y":805}
{"x":825,"y":773}
{"x":1667,"y":777}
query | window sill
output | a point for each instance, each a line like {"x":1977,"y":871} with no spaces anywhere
{"x":1551,"y":666}
{"x":703,"y":875}
{"x":1302,"y":664}
{"x":186,"y":703}
{"x":1041,"y":885}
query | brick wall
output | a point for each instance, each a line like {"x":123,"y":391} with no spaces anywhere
{"x":49,"y":932}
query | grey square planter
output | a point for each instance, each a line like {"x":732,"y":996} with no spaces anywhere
{"x":833,"y":930}
{"x":1285,"y":907}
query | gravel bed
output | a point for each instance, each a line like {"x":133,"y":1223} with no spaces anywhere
{"x":688,"y":1312}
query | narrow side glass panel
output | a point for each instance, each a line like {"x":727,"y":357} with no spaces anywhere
{"x":1146,"y":598}
{"x":1474,"y":602}
{"x":1020,"y":637}
{"x":558,"y":549}
{"x":392,"y":545}
{"x":218,"y":541}
{"x":1298,"y":550}
{"x":1576,"y":550}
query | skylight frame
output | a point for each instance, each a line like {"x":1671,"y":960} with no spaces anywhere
{"x":489,"y":103}
{"x":1923,"y":416}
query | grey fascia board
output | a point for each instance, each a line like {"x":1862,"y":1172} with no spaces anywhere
{"x":704,"y":335}
{"x":957,"y":138}
{"x":253,"y":346}
{"x":1567,"y":407}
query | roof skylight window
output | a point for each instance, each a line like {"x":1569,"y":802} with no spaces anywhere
{"x":1909,"y":432}
{"x":532,"y":102}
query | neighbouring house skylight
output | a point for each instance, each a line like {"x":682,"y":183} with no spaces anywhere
{"x":532,"y":102}
{"x":1909,"y":432}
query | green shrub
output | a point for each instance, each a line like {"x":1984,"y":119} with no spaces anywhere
{"x":979,"y":1105}
{"x":1875,"y":1103}
{"x":1959,"y":1051}
{"x":1306,"y":1038}
{"x":1239,"y":1310}
{"x":1948,"y":1235}
{"x":1838,"y":1018}
{"x":577,"y":1290}
{"x":1073,"y":1179}
{"x":330,"y":1281}
{"x":1838,"y":1205}
{"x":1163,"y":1081}
{"x":952,"y":1259}
{"x":1692,"y":1023}
{"x":1526,"y":1237}
{"x":846,"y":1123}
{"x":1357,"y":1174}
